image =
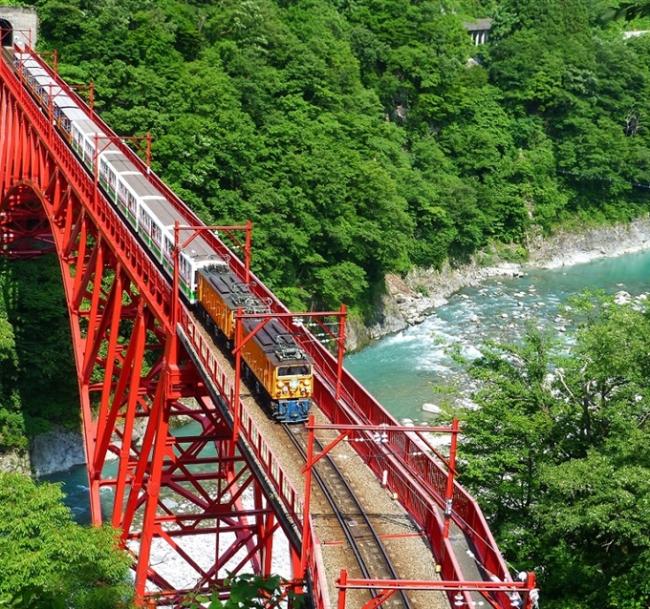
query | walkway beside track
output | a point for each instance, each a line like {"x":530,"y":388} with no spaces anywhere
{"x":407,"y":549}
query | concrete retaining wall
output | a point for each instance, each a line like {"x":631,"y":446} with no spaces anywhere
{"x":24,"y":22}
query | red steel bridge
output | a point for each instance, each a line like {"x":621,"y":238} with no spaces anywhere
{"x":142,"y":360}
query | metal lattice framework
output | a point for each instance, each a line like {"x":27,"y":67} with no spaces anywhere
{"x":132,"y":374}
{"x":204,"y":501}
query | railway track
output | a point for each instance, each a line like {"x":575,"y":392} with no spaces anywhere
{"x":365,"y":543}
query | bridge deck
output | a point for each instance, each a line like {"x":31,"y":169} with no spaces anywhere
{"x":408,"y":550}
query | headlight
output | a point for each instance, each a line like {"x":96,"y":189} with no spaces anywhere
{"x":294,"y":384}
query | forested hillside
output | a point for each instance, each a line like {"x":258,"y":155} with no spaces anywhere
{"x":358,"y":135}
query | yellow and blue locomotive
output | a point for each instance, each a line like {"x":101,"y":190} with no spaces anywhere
{"x":282,"y":372}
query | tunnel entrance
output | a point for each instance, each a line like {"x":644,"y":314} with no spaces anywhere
{"x":7,"y":32}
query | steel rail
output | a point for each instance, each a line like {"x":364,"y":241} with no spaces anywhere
{"x":402,"y":599}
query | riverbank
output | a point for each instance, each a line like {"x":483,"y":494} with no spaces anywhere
{"x":409,"y":300}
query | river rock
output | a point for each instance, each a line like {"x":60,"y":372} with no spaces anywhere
{"x":622,"y":297}
{"x":431,"y":408}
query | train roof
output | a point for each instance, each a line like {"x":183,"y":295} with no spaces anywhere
{"x":65,"y":101}
{"x":25,"y":58}
{"x":74,"y":113}
{"x":47,"y":82}
{"x":121,"y":164}
{"x":37,"y":72}
{"x":277,"y":343}
{"x":87,"y":127}
{"x":140,"y":185}
{"x":167,"y":215}
{"x":233,"y":292}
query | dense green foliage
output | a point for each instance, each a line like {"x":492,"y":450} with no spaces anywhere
{"x":249,"y":591}
{"x":356,"y":134}
{"x":48,"y":561}
{"x":37,"y":378}
{"x":559,"y":457}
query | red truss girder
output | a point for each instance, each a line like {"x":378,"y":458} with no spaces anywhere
{"x":133,"y":377}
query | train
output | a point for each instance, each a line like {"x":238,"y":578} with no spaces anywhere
{"x":280,"y":372}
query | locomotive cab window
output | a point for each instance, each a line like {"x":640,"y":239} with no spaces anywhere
{"x":294,"y":371}
{"x":7,"y":33}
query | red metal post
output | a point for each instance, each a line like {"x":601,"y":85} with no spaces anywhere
{"x":237,"y":388}
{"x":306,"y":528}
{"x":54,"y":55}
{"x":90,"y":89}
{"x":96,"y":171}
{"x":91,"y":97}
{"x":295,"y":569}
{"x":148,"y":150}
{"x":341,"y":349}
{"x":248,"y":249}
{"x":176,"y":283}
{"x":342,"y":583}
{"x":532,"y":595}
{"x":449,"y":492}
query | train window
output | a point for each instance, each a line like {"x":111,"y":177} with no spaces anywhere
{"x":185,"y":268}
{"x":168,"y":248}
{"x":155,"y":232}
{"x":294,"y":371}
{"x":144,"y":218}
{"x":88,"y":154}
{"x":131,"y":201}
{"x":121,"y":193}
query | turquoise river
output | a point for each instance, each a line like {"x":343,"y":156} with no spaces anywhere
{"x":404,"y":370}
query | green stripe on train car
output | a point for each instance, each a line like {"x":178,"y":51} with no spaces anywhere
{"x":155,"y":248}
